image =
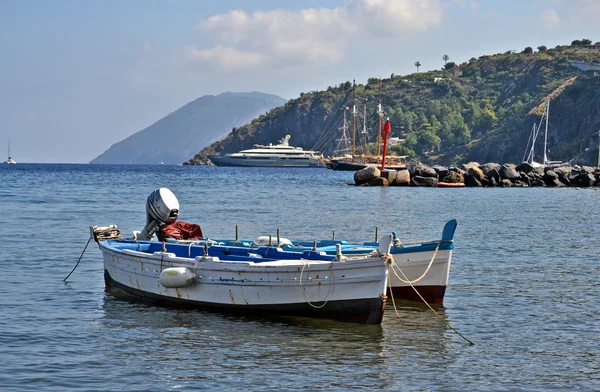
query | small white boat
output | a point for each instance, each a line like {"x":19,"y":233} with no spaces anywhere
{"x":280,"y":155}
{"x":348,"y":289}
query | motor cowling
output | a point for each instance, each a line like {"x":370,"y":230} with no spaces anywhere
{"x":162,"y":208}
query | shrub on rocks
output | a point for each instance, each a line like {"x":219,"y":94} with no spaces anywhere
{"x":454,"y":177}
{"x":476,"y":172}
{"x":467,"y":166}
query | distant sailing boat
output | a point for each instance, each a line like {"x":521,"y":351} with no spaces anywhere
{"x":529,"y":155}
{"x":10,"y":161}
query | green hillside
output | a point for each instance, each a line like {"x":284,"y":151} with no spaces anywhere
{"x":481,"y":110}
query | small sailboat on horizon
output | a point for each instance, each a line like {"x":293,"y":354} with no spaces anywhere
{"x":10,"y":161}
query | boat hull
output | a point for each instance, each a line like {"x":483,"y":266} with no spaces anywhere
{"x":265,"y":162}
{"x":429,"y":278}
{"x":414,"y":265}
{"x":352,"y":291}
{"x":355,"y":166}
{"x":363,"y":311}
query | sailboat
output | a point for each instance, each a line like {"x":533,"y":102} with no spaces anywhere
{"x":529,"y":155}
{"x":356,"y":162}
{"x":10,"y":161}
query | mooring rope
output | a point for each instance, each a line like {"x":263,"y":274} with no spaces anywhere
{"x":426,"y":270}
{"x":389,"y":259}
{"x":429,"y":306}
{"x":86,"y":245}
{"x":330,"y":285}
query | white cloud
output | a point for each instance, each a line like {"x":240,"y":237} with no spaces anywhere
{"x":396,"y":17}
{"x":226,"y":57}
{"x":319,"y":37}
{"x":550,"y":18}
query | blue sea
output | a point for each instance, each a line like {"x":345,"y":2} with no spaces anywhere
{"x":523,"y":286}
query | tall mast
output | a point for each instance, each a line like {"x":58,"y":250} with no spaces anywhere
{"x":599,"y":149}
{"x":354,"y":118}
{"x":380,"y":113}
{"x":364,"y":132}
{"x":546,"y":133}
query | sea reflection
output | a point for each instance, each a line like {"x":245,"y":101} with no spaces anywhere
{"x":177,"y":342}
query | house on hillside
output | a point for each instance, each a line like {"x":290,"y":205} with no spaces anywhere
{"x":595,"y":46}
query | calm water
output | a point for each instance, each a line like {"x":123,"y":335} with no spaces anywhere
{"x":523,"y":286}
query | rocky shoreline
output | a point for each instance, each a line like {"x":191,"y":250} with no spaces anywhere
{"x":473,"y":174}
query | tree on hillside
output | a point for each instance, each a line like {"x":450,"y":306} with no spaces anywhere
{"x":582,"y":42}
{"x":450,"y":65}
{"x":527,"y":50}
{"x":417,"y":64}
{"x":445,"y":58}
{"x":542,"y":49}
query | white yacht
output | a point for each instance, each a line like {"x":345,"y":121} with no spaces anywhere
{"x":280,"y":155}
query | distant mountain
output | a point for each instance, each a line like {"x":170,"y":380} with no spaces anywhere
{"x":481,"y":110}
{"x":181,"y":134}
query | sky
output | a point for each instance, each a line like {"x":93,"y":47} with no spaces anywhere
{"x":79,"y":76}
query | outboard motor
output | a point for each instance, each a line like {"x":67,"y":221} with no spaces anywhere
{"x":162,"y":208}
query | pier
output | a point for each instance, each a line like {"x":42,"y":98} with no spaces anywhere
{"x":473,"y":174}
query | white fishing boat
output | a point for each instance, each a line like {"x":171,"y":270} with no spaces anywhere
{"x":10,"y":161}
{"x":242,"y":280}
{"x":420,"y":270}
{"x":279,"y":155}
{"x":187,"y":276}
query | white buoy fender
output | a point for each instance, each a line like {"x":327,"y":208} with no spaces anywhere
{"x":176,"y":277}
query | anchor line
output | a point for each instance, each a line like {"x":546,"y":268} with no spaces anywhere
{"x":430,"y":308}
{"x":80,"y":257}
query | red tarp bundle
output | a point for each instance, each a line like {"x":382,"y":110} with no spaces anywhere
{"x":180,"y":231}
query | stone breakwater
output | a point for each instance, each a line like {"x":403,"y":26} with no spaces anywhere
{"x":473,"y":174}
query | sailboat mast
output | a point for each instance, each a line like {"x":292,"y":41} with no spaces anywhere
{"x":599,"y":149}
{"x":354,"y":118}
{"x":546,"y":132}
{"x":364,"y":132}
{"x":380,"y":113}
